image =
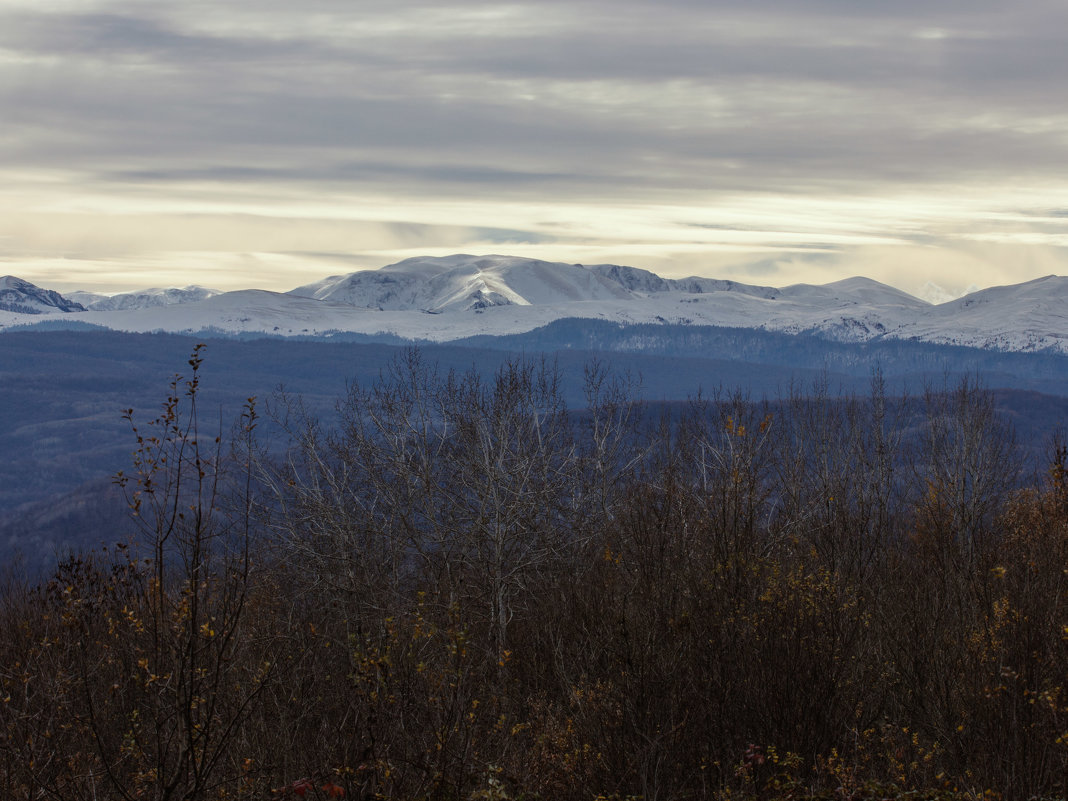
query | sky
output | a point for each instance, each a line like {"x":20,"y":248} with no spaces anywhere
{"x":922,"y":143}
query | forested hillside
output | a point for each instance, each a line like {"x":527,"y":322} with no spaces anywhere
{"x":459,"y":587}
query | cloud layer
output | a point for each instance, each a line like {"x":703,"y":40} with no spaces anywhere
{"x":763,"y":141}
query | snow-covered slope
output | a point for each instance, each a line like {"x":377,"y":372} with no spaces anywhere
{"x":462,"y":283}
{"x":142,"y":299}
{"x":1028,"y":316}
{"x":246,"y":310}
{"x":645,"y":282}
{"x":22,"y":297}
{"x":442,"y":299}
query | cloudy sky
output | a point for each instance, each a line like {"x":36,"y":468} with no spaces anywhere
{"x":923,"y":143}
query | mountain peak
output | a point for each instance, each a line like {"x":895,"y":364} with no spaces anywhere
{"x":465,"y":282}
{"x":18,"y":295}
{"x":15,"y":283}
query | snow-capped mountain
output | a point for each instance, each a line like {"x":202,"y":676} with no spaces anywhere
{"x":464,"y":283}
{"x":22,"y":297}
{"x":444,"y":299}
{"x":142,"y":299}
{"x":1028,"y":316}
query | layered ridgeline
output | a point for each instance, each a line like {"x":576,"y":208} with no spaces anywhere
{"x":457,"y":297}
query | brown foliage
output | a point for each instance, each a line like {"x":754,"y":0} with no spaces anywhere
{"x":464,"y":591}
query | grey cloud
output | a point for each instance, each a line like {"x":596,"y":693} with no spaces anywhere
{"x":114,"y":37}
{"x":766,"y":268}
{"x":638,"y":42}
{"x":571,"y":97}
{"x":362,"y":172}
{"x":110,"y":35}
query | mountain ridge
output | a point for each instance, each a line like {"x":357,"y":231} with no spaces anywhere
{"x":153,"y":297}
{"x":442,"y":299}
{"x":21,"y":297}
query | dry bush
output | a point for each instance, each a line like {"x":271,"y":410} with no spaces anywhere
{"x":463,"y":590}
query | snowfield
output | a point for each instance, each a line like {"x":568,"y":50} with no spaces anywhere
{"x":142,"y":299}
{"x":449,"y":298}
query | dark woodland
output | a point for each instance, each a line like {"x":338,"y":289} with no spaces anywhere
{"x":462,"y":586}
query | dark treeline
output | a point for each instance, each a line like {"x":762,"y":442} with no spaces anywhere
{"x":460,"y":589}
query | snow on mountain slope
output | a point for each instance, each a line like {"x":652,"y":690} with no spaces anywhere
{"x":1027,"y":317}
{"x":460,"y":283}
{"x":289,"y":315}
{"x":855,"y":291}
{"x":456,"y":283}
{"x":246,"y":310}
{"x":22,"y":297}
{"x":142,"y":299}
{"x":851,"y":310}
{"x":286,"y":315}
{"x":643,"y":281}
{"x":442,"y":299}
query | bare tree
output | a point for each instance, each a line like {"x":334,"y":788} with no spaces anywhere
{"x":172,"y":637}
